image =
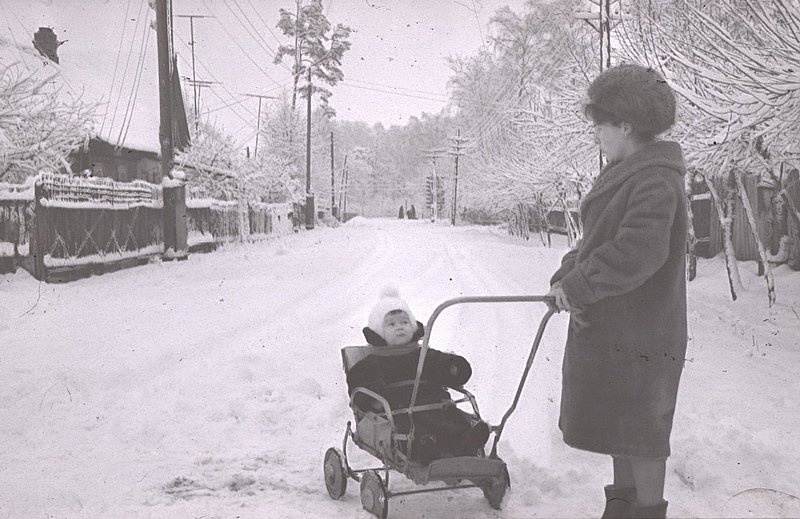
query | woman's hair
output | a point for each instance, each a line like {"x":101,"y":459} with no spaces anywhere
{"x":633,"y":94}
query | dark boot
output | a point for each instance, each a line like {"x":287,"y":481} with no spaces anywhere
{"x":474,"y":439}
{"x":658,"y":511}
{"x":619,"y":502}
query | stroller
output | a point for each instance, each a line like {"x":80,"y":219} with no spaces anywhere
{"x":376,"y":433}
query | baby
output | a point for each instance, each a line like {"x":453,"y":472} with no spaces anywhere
{"x":439,"y":432}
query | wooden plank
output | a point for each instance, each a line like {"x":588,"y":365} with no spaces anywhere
{"x":793,"y":224}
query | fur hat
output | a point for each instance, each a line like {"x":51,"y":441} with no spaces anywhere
{"x":634,"y":94}
{"x":388,"y":301}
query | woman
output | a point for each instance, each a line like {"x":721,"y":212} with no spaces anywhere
{"x":624,"y":284}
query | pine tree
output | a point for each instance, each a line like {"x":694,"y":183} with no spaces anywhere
{"x":315,"y":43}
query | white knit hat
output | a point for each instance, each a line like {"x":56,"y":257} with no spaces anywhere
{"x":389,"y":301}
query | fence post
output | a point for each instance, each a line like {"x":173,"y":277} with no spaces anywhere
{"x":38,"y":243}
{"x":174,"y":218}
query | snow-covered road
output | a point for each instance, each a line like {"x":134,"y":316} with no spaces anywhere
{"x":212,"y":387}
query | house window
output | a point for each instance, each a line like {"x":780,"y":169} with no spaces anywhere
{"x":122,"y":173}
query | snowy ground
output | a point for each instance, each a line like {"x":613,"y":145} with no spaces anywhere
{"x":212,"y":387}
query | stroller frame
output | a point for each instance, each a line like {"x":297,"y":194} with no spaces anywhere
{"x":488,"y":473}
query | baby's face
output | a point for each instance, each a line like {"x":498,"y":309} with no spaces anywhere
{"x":397,"y":328}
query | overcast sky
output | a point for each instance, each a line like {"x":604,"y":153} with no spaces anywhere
{"x":398,"y":46}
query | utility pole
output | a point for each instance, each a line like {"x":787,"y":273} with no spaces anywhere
{"x":343,"y":192}
{"x":456,"y":147}
{"x":258,"y":123}
{"x":197,"y":85}
{"x":434,"y":154}
{"x":333,"y":184}
{"x":601,"y":22}
{"x":164,"y":90}
{"x":191,"y":18}
{"x":309,"y":198}
{"x":174,"y":191}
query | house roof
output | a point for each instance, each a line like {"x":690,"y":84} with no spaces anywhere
{"x":127,"y":114}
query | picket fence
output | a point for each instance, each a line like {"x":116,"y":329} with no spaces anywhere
{"x":61,"y":227}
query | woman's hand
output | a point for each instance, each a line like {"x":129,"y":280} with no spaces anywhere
{"x":560,"y":301}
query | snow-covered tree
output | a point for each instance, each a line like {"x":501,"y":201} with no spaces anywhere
{"x":736,"y":66}
{"x":314,"y":42}
{"x":40,"y":124}
{"x":520,"y":104}
{"x":218,"y":169}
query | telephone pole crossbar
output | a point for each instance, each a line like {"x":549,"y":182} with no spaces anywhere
{"x":191,"y":18}
{"x":258,"y":122}
{"x":434,"y":154}
{"x":457,"y":145}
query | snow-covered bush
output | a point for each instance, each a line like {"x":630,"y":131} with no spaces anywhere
{"x":39,"y":123}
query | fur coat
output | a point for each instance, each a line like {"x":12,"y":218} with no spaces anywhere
{"x":626,"y":280}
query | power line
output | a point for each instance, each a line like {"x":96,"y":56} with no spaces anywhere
{"x":224,"y":106}
{"x":212,"y":76}
{"x":393,"y":93}
{"x":135,"y":90}
{"x":396,"y":87}
{"x":24,"y":29}
{"x":125,"y":70}
{"x":191,"y":18}
{"x":257,"y":38}
{"x":481,"y":126}
{"x":116,"y":63}
{"x":267,"y":26}
{"x":236,"y":42}
{"x":258,"y":126}
{"x":271,"y":51}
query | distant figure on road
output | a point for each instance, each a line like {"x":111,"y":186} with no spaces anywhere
{"x":401,"y":213}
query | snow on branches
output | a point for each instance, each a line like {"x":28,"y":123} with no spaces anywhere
{"x":39,"y":124}
{"x":737,"y":67}
{"x":521,"y":101}
{"x":217,"y":169}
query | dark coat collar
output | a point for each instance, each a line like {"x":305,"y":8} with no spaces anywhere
{"x":664,"y":154}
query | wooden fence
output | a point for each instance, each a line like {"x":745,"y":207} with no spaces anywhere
{"x":793,"y":223}
{"x":62,"y":227}
{"x":744,"y":243}
{"x":85,"y":226}
{"x":16,"y":222}
{"x":213,"y":222}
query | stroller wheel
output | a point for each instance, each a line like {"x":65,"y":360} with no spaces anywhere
{"x":335,"y":474}
{"x":374,"y":497}
{"x":495,"y":489}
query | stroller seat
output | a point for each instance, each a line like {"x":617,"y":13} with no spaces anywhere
{"x":377,"y":431}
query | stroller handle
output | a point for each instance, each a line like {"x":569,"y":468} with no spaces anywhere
{"x":484,"y":299}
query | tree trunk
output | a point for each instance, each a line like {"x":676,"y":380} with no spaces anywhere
{"x":573,"y":229}
{"x":748,"y":210}
{"x":726,"y":220}
{"x":691,"y":238}
{"x":524,"y":225}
